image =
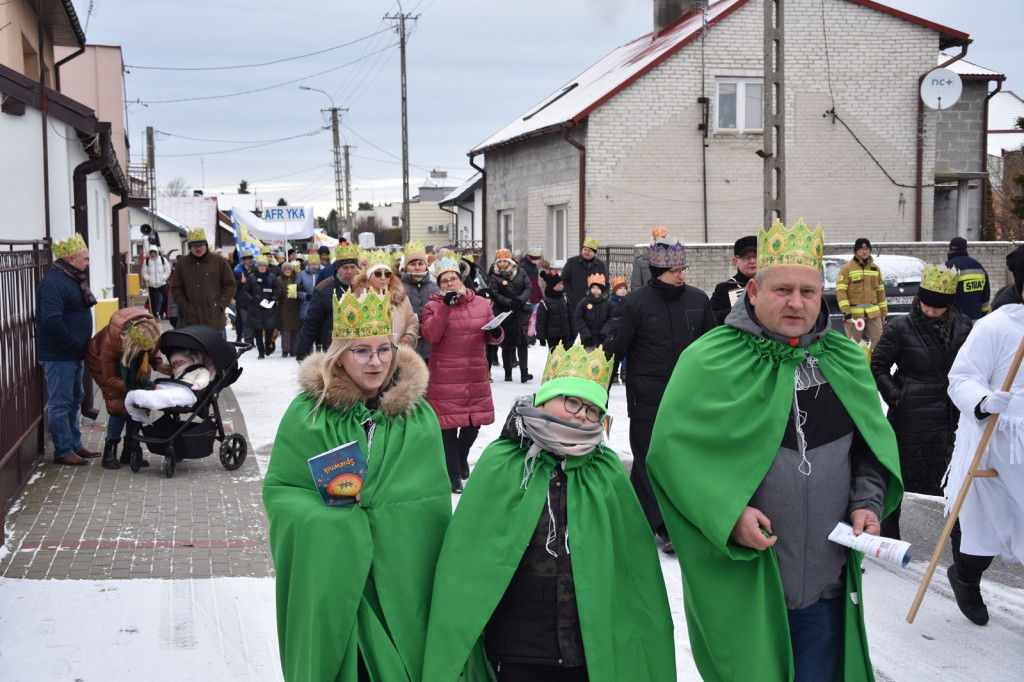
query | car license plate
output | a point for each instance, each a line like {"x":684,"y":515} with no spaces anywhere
{"x":900,"y":300}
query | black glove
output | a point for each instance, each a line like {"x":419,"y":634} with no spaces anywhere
{"x":450,"y":298}
{"x":496,"y":332}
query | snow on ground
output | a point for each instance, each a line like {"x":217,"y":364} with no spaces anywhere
{"x":224,"y":628}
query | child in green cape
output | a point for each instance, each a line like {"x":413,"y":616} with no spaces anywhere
{"x":549,"y":569}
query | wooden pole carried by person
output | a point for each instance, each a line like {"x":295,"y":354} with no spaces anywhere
{"x":972,"y":473}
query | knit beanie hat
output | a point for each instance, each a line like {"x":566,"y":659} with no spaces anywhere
{"x":863,"y":241}
{"x":1015,"y":264}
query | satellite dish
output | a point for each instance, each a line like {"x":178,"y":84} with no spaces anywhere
{"x":941,"y":89}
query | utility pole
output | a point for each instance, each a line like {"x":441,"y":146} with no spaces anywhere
{"x":337,"y":159}
{"x":405,"y":122}
{"x":348,"y":192}
{"x":774,"y":94}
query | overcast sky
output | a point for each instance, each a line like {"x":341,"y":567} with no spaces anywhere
{"x":473,"y":66}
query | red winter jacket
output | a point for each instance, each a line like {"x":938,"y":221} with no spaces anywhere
{"x":459,"y":390}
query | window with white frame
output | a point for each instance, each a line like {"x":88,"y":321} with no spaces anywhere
{"x":505,"y":230}
{"x":739,"y":105}
{"x":558,"y":233}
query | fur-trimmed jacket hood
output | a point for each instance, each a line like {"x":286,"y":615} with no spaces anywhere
{"x":398,"y":398}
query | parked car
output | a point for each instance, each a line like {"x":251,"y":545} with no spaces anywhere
{"x":901,"y":275}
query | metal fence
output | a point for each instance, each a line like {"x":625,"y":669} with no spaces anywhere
{"x":22,"y":388}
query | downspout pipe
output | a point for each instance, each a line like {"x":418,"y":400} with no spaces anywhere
{"x":56,"y":67}
{"x":919,"y":180}
{"x":566,"y":133}
{"x":120,"y":288}
{"x":81,"y":173}
{"x":986,"y":186}
{"x":483,"y":200}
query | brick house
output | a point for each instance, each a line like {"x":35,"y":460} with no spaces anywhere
{"x":622,"y":147}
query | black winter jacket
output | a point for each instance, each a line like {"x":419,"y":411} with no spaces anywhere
{"x":511,"y":293}
{"x":590,"y":318}
{"x":319,"y":321}
{"x":575,"y":274}
{"x":920,"y":411}
{"x":263,"y":287}
{"x":653,"y":325}
{"x":553,"y":318}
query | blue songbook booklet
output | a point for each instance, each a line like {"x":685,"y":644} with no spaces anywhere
{"x":339,"y":474}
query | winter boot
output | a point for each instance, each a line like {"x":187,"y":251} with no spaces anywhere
{"x":968,"y":597}
{"x":110,"y":455}
{"x":464,"y":465}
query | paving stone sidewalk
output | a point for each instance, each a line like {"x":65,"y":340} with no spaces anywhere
{"x":91,"y":523}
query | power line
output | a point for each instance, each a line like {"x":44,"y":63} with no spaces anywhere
{"x":264,"y":89}
{"x":240,"y":149}
{"x":316,"y":131}
{"x":249,"y":66}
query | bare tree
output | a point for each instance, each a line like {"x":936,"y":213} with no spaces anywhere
{"x":174,"y":188}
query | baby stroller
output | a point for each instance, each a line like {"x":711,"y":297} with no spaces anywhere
{"x":189,"y":432}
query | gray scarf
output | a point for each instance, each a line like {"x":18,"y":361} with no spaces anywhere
{"x":557,"y":436}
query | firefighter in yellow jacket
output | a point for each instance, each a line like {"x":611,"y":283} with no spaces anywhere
{"x":860,"y":294}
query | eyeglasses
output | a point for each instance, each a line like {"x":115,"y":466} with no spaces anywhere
{"x":386,"y":274}
{"x":677,"y":271}
{"x":573,"y":405}
{"x":363,"y":355}
{"x":450,"y":280}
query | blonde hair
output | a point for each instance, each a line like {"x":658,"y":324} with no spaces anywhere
{"x":330,"y":369}
{"x":132,"y":349}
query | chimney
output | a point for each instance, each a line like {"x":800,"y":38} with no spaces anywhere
{"x":667,"y":11}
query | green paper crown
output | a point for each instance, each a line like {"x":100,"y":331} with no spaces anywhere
{"x":590,"y":243}
{"x":196,"y":235}
{"x":576,"y":372}
{"x":262,"y":260}
{"x":377,"y":258}
{"x":348,"y":252}
{"x":69,"y":247}
{"x":797,"y":245}
{"x":363,"y":317}
{"x":939,"y":279}
{"x":415,"y":247}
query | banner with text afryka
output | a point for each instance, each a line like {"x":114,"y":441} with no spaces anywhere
{"x":278,"y":224}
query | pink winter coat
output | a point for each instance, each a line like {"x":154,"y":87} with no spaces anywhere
{"x":459,"y":390}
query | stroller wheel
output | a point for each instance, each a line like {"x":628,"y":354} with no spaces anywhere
{"x":232,"y":451}
{"x":135,"y":456}
{"x":169,"y":466}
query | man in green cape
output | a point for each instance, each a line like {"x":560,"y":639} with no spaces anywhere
{"x":549,"y":556}
{"x":770,"y":433}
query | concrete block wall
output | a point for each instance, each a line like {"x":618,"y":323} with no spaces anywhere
{"x":960,"y":141}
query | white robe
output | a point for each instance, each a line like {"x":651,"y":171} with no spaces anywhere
{"x":992,"y":517}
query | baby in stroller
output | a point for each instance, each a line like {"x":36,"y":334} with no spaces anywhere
{"x":191,"y":372}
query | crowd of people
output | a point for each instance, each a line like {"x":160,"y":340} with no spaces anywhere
{"x":754,"y":428}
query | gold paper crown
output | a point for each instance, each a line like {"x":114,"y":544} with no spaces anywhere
{"x":578,"y":363}
{"x":378,"y":258}
{"x":140,"y":338}
{"x":938,"y":279}
{"x":262,"y":260}
{"x":363,"y":317}
{"x":503,"y":254}
{"x":265,"y":249}
{"x":415,"y":247}
{"x":798,"y":245}
{"x":590,"y":243}
{"x":596,"y":278}
{"x":348,"y":252}
{"x":196,"y":235}
{"x":618,"y":282}
{"x":69,"y":247}
{"x":452,"y":262}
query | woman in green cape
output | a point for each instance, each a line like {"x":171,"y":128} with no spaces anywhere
{"x":549,"y":562}
{"x":353,"y":583}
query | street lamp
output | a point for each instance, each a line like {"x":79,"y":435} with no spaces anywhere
{"x":337,"y":157}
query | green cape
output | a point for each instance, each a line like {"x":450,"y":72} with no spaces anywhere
{"x":347,"y":577}
{"x":620,"y":592}
{"x":734,"y":393}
